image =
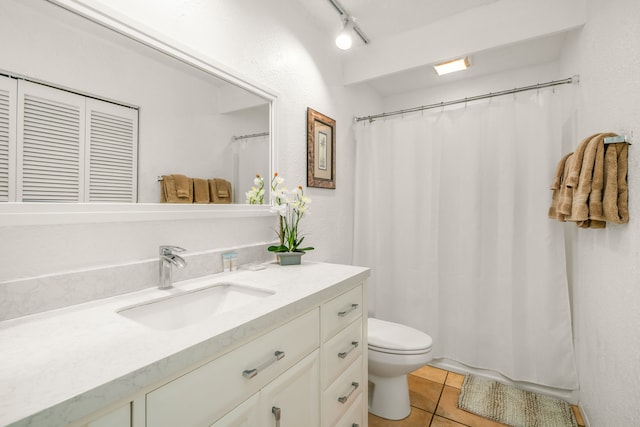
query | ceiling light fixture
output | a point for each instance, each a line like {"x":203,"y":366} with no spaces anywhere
{"x":345,"y":37}
{"x":452,"y":66}
{"x":344,"y":40}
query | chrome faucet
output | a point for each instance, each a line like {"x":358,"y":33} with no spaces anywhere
{"x":167,"y":260}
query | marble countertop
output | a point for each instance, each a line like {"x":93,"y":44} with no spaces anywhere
{"x":59,"y":366}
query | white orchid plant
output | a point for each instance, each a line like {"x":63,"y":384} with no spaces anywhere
{"x":255,"y":196}
{"x":291,"y":205}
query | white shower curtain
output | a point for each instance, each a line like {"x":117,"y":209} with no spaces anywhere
{"x":451,"y":215}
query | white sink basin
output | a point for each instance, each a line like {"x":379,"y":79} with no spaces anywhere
{"x":186,"y":308}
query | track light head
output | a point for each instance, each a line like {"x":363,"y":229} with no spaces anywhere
{"x":344,"y":40}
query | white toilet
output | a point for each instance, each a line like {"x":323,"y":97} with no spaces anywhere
{"x":394,"y":351}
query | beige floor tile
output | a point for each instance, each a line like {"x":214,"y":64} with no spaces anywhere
{"x":578,"y":415}
{"x":430,"y":373}
{"x":454,"y":380}
{"x":443,"y":422}
{"x":448,"y":408}
{"x":417,"y":418}
{"x":424,"y":394}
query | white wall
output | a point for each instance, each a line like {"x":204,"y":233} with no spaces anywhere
{"x":273,"y":44}
{"x":605,"y":269}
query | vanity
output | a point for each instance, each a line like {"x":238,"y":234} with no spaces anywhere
{"x":282,"y":346}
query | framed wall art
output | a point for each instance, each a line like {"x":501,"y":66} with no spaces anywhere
{"x":321,"y":150}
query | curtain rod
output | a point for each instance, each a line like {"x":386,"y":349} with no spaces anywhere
{"x":253,"y":135}
{"x":571,"y":80}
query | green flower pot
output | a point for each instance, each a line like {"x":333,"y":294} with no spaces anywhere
{"x":289,"y":258}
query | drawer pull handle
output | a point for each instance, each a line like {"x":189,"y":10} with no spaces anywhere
{"x":343,"y":399}
{"x":277,"y":412}
{"x":250,"y":373}
{"x":354,"y":345}
{"x":349,"y":310}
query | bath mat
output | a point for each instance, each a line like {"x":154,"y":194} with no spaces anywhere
{"x":509,"y":405}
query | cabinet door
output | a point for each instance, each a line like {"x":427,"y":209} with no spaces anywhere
{"x":245,"y":415}
{"x":294,"y":397}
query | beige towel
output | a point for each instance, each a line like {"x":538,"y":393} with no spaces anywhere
{"x":616,"y":190}
{"x":183,"y":187}
{"x":588,"y":172}
{"x":597,"y":186}
{"x":200,"y":190}
{"x":220,"y":190}
{"x":557,"y":186}
{"x":170,"y":190}
{"x":574,"y":173}
{"x":565,"y":197}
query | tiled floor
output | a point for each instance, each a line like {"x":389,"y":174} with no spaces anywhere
{"x":434,"y":395}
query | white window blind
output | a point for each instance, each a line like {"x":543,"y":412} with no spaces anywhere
{"x":50,"y":144}
{"x":70,"y":148}
{"x":112,"y":140}
{"x":8,"y":107}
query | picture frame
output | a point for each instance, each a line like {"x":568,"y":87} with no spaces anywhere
{"x":321,"y":150}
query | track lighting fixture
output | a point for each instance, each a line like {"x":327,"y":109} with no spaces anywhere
{"x":344,"y":40}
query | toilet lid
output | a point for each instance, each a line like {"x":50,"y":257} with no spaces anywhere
{"x":389,"y":337}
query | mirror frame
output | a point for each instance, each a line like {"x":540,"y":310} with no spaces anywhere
{"x":18,"y":214}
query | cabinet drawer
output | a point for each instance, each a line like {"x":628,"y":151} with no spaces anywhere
{"x":339,"y":397}
{"x":340,"y":351}
{"x":208,"y":392}
{"x":340,"y":311}
{"x":353,"y":417}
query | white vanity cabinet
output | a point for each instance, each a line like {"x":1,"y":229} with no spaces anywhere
{"x":310,"y":371}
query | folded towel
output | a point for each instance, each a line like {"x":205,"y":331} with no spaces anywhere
{"x":557,"y":186}
{"x":616,"y":190}
{"x":574,"y":173}
{"x":169,"y":192}
{"x":220,"y":190}
{"x":588,"y":171}
{"x":596,"y":214}
{"x":183,"y":189}
{"x":200,"y":190}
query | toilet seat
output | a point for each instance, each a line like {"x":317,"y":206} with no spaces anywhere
{"x":393,"y":338}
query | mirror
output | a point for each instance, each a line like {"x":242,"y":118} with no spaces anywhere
{"x":195,"y":119}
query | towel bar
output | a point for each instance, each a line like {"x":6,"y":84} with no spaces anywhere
{"x":618,"y":139}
